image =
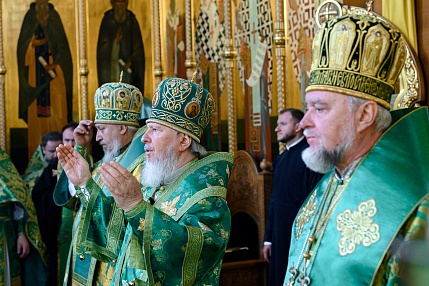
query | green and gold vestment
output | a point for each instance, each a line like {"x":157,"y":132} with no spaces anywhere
{"x":83,"y":269}
{"x":179,"y":240}
{"x":14,"y":191}
{"x":68,"y":214}
{"x":34,"y":168}
{"x":354,"y":230}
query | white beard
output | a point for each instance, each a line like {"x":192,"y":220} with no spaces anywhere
{"x":114,"y":147}
{"x":321,"y":160}
{"x":155,"y":172}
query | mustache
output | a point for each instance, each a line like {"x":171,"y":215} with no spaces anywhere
{"x":308,"y":133}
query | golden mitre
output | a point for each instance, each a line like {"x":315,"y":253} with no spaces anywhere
{"x":118,"y":103}
{"x":359,"y":55}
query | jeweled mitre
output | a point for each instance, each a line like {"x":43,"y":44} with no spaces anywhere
{"x":359,"y":55}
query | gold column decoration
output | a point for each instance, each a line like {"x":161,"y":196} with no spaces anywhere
{"x":83,"y":62}
{"x":190,"y":63}
{"x":2,"y":84}
{"x":157,"y":33}
{"x":229,"y":54}
{"x":280,"y":43}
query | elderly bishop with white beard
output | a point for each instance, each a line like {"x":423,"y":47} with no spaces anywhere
{"x":176,"y":217}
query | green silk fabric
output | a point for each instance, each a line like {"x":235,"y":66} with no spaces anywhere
{"x":385,"y":198}
{"x":14,"y":190}
{"x":188,"y":227}
{"x":34,"y":168}
{"x":85,"y":271}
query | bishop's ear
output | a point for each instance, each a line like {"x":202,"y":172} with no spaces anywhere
{"x":124,"y":129}
{"x":185,"y":141}
{"x":366,"y":114}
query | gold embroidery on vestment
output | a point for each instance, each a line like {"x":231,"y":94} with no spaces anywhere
{"x":357,"y":227}
{"x":306,"y":213}
{"x":141,"y":226}
{"x":169,"y":207}
{"x":395,"y":268}
{"x":224,"y":234}
{"x":165,"y":233}
{"x":156,"y":244}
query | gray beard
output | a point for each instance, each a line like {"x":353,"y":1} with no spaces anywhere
{"x":322,"y":160}
{"x":42,"y":13}
{"x":155,"y":172}
{"x":111,"y":154}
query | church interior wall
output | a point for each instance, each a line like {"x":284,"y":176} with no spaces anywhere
{"x":68,"y":10}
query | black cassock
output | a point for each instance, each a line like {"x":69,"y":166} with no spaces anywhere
{"x":292,"y":182}
{"x":48,"y":217}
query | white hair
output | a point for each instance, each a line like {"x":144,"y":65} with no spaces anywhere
{"x":383,"y":118}
{"x":197,"y":149}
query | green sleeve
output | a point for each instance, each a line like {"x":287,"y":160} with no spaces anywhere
{"x":392,"y":269}
{"x":196,"y":242}
{"x":102,"y":225}
{"x":85,"y":154}
{"x":62,"y":195}
{"x":19,"y":223}
{"x":19,"y":226}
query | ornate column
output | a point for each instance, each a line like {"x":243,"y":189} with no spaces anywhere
{"x":2,"y":84}
{"x":83,"y":62}
{"x":157,"y":50}
{"x":280,"y":44}
{"x":230,"y":55}
{"x":190,"y":63}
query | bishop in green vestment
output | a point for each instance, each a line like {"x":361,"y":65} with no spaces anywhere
{"x":355,"y":226}
{"x":176,"y":219}
{"x":35,"y":168}
{"x":18,"y":225}
{"x":118,"y":108}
